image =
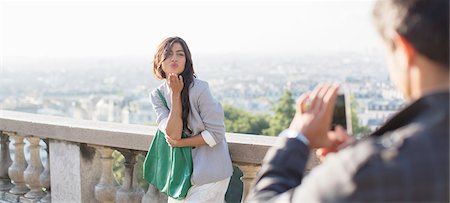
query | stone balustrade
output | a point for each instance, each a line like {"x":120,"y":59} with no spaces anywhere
{"x":79,"y":167}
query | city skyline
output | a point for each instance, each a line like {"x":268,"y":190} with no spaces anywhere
{"x":118,"y":91}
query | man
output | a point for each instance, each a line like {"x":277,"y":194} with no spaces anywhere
{"x":405,"y":160}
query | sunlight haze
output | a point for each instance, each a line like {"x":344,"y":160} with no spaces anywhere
{"x":121,"y":28}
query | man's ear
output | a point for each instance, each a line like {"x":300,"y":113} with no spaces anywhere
{"x":405,"y":49}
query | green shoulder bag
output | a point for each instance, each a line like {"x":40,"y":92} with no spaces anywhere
{"x":168,"y":168}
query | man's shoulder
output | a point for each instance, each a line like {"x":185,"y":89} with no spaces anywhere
{"x":392,"y":161}
{"x":372,"y":152}
{"x":388,"y":148}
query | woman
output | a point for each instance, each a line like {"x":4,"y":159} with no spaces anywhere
{"x":194,"y":111}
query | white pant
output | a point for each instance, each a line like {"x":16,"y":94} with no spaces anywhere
{"x":207,"y":193}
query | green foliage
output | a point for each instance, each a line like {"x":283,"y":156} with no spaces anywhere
{"x":284,"y":111}
{"x":119,"y":169}
{"x":241,"y":121}
{"x":140,"y":172}
{"x":358,"y":129}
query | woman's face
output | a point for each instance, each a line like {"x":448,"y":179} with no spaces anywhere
{"x":175,"y":61}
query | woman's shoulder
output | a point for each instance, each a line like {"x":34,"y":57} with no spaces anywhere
{"x":199,"y":85}
{"x":161,"y":88}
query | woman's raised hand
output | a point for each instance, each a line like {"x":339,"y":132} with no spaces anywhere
{"x":175,"y":83}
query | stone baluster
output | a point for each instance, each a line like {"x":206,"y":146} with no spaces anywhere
{"x":130,"y":191}
{"x":249,"y":174}
{"x":5,"y":162}
{"x":45,"y":177}
{"x":153,"y":195}
{"x":105,"y":190}
{"x":19,"y":165}
{"x":34,"y":170}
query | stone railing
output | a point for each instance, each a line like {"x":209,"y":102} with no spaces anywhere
{"x":79,"y":163}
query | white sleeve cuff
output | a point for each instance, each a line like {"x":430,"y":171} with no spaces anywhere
{"x":208,"y":138}
{"x":163,"y":125}
{"x":289,"y":133}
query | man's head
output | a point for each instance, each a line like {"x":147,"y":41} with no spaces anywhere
{"x":417,"y":35}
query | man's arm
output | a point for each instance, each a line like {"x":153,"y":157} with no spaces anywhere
{"x":281,"y":176}
{"x":281,"y":179}
{"x":282,"y":170}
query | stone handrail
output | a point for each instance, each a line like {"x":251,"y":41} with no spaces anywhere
{"x":67,"y":137}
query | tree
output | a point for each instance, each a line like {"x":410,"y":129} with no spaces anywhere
{"x":284,"y":111}
{"x":358,"y":129}
{"x":241,"y":121}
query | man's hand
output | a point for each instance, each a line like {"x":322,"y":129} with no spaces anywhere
{"x":313,"y":115}
{"x":175,"y":83}
{"x":339,"y":138}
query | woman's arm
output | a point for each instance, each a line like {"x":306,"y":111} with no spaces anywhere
{"x":162,"y":113}
{"x":212,"y":117}
{"x":174,"y":125}
{"x":192,"y":141}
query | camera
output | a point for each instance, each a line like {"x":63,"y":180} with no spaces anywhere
{"x":342,"y":113}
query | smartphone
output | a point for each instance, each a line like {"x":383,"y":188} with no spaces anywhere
{"x":342,"y":113}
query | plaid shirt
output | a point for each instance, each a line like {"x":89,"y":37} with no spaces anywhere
{"x":406,"y":160}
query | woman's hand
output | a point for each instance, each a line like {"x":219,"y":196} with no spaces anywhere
{"x":173,"y":142}
{"x":314,"y":113}
{"x":175,"y":123}
{"x":175,"y":83}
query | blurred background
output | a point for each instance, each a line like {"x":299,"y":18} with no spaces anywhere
{"x":92,"y":59}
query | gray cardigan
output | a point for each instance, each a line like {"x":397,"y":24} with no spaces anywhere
{"x":211,"y":162}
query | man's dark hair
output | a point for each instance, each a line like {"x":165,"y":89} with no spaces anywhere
{"x":424,"y":23}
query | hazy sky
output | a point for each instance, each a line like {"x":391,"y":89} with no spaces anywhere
{"x":130,"y":28}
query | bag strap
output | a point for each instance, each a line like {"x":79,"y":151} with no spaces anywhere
{"x":162,"y":99}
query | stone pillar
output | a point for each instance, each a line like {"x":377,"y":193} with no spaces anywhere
{"x":130,"y":192}
{"x":153,"y":195}
{"x":45,"y":177}
{"x":34,"y":170}
{"x":75,"y":170}
{"x":19,"y":165}
{"x":105,"y":190}
{"x":249,"y":174}
{"x":5,"y":162}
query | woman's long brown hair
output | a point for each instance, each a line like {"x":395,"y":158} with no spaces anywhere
{"x":188,"y":74}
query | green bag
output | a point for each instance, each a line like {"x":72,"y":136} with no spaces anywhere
{"x":168,"y":168}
